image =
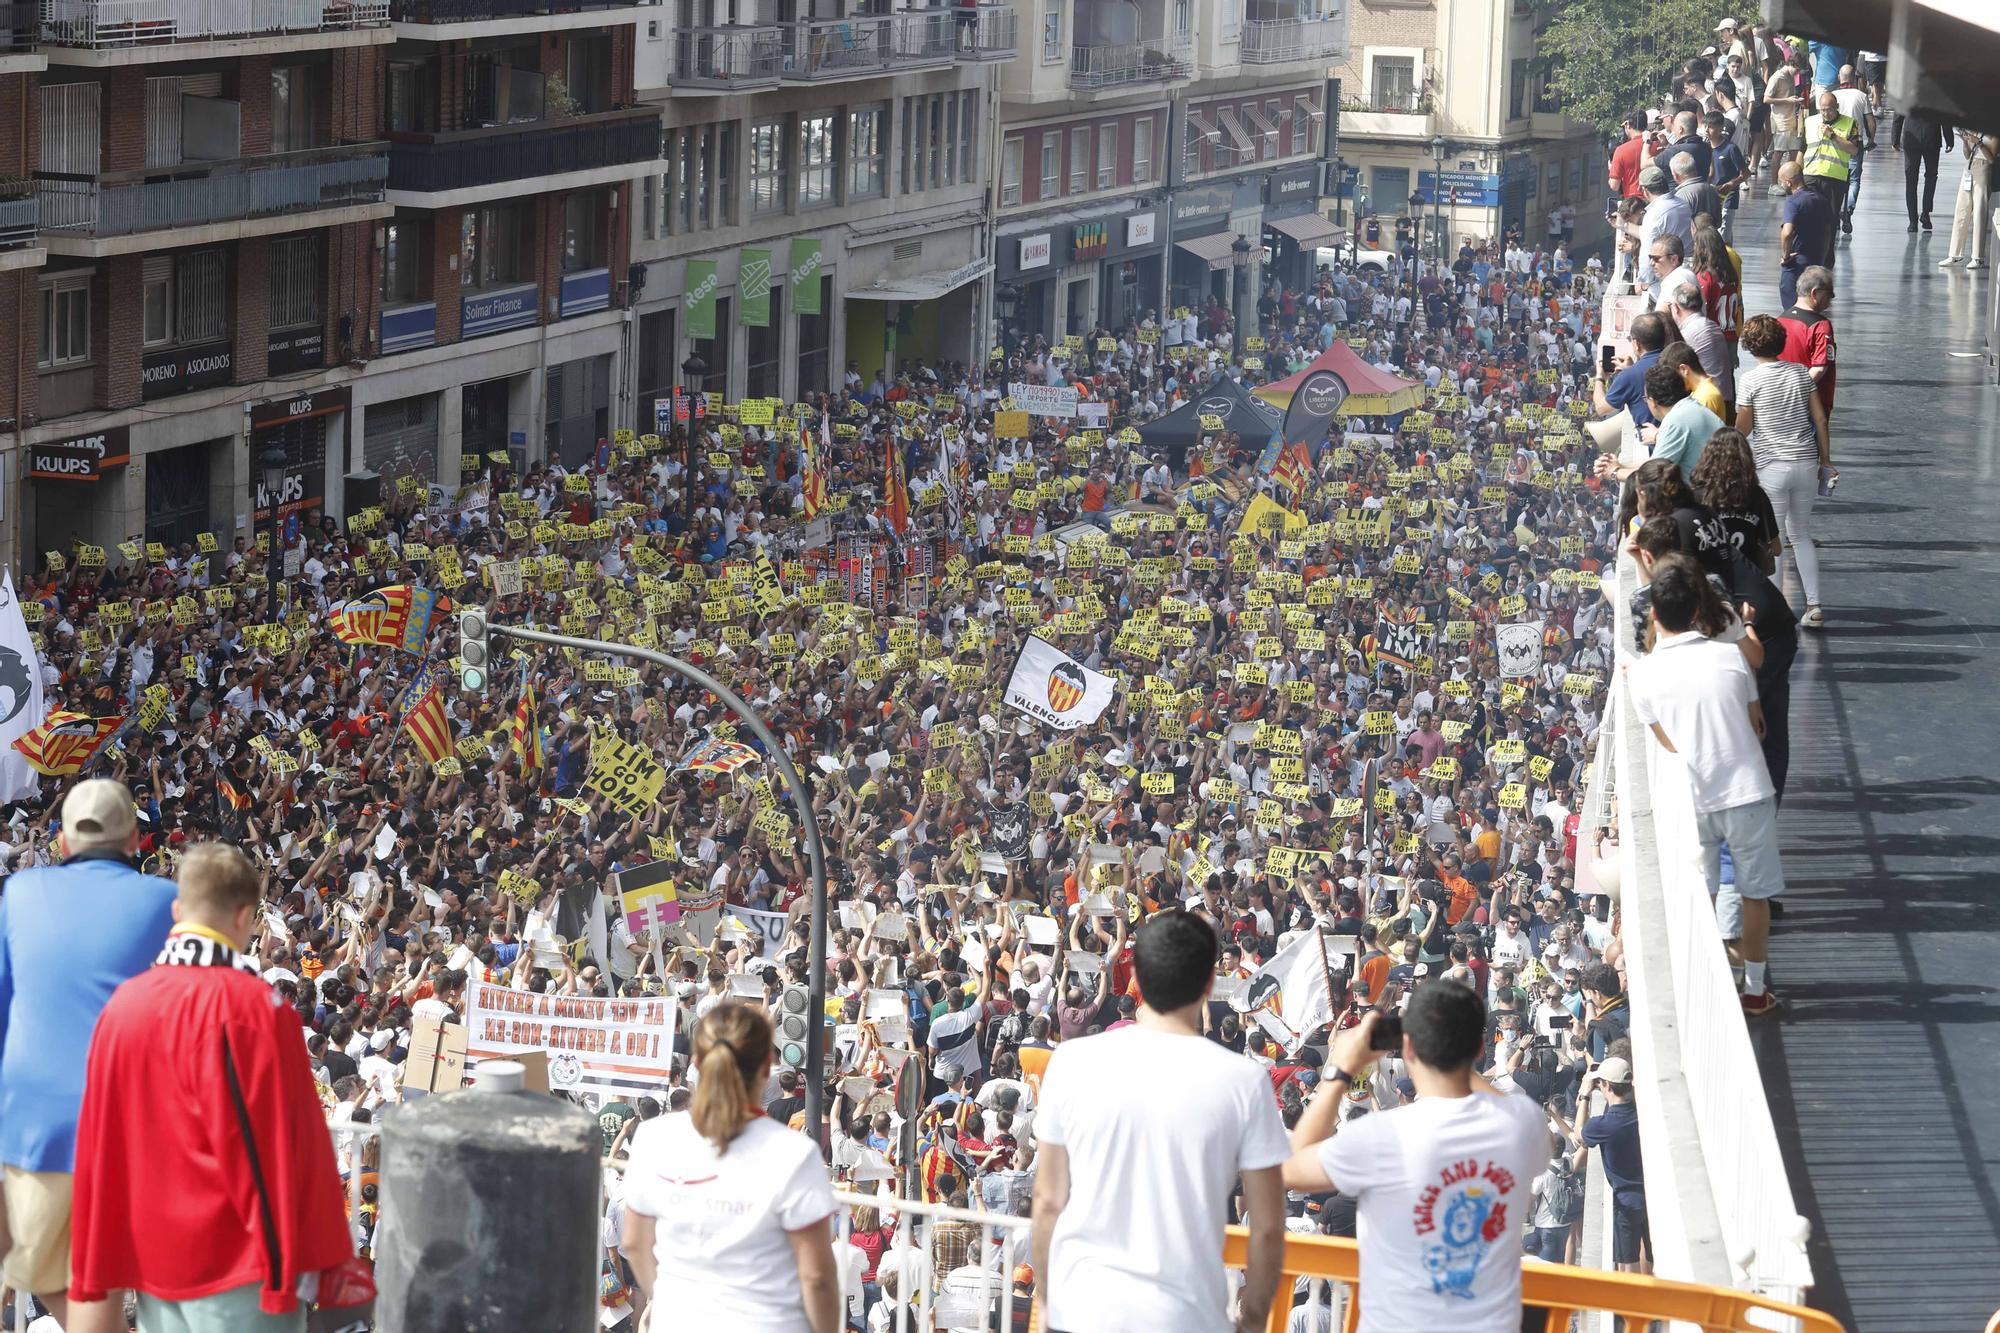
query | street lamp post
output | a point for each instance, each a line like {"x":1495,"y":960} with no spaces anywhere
{"x":1438,"y":147}
{"x":692,"y":372}
{"x":273,"y":465}
{"x":1246,"y":299}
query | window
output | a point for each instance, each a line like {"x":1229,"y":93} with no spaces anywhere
{"x":913,"y":153}
{"x":1051,"y":167}
{"x":298,"y":107}
{"x":1011,"y":168}
{"x":1183,"y":17}
{"x":1231,"y":20}
{"x":1142,"y":151}
{"x":968,"y":142}
{"x":295,"y":269}
{"x":867,"y":131}
{"x":585,"y":232}
{"x":492,"y":245}
{"x":1302,"y":119}
{"x":1517,"y":89}
{"x":649,"y":193}
{"x":951,"y":112}
{"x":933,"y":113}
{"x":404,"y":243}
{"x":701,"y":177}
{"x":156,"y":324}
{"x":819,"y":172}
{"x":1274,"y":142}
{"x":1052,"y":38}
{"x":1395,"y":81}
{"x":770,"y":172}
{"x":1107,"y":155}
{"x":411,"y":100}
{"x":65,"y":339}
{"x":724,"y":171}
{"x":1079,"y":161}
{"x":184,"y":298}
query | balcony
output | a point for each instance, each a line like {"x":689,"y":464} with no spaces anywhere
{"x":20,"y":225}
{"x":1100,"y":66}
{"x":736,"y":58}
{"x":990,"y":35}
{"x":1389,"y":115}
{"x":554,"y":154}
{"x":864,"y":46}
{"x":115,"y":25}
{"x":454,"y":20}
{"x":1284,"y":41}
{"x":276,"y":188}
{"x":20,"y":27}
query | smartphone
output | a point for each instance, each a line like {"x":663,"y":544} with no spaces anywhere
{"x":1606,"y":357}
{"x":1557,"y":1022}
{"x":1388,"y":1033}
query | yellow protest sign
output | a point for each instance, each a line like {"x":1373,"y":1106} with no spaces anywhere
{"x":624,"y":773}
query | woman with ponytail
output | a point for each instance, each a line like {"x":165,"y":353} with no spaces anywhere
{"x":728,"y":1217}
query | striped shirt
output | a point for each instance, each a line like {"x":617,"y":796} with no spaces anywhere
{"x":1776,"y":392}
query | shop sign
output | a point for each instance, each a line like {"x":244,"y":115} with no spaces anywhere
{"x":1140,"y":228}
{"x":185,"y":369}
{"x":299,"y":407}
{"x":81,"y":457}
{"x":289,"y":351}
{"x":1090,"y":240}
{"x":1036,"y":251}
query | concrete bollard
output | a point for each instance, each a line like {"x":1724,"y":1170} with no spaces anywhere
{"x":490,"y":1207}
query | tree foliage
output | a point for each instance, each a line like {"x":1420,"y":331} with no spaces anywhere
{"x":1609,"y":57}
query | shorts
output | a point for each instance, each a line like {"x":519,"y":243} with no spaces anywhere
{"x":38,"y":1230}
{"x":1873,"y":70}
{"x":1760,"y":118}
{"x":1752,"y":834}
{"x":1631,"y":1237}
{"x":1787,"y":141}
{"x":232,"y":1311}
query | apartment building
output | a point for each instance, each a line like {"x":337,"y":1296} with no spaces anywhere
{"x":1142,"y":138}
{"x":1448,"y":101}
{"x":821,"y":198}
{"x":374,"y":237}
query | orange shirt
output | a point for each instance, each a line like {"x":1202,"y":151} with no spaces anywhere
{"x":1034,"y":1063}
{"x":1463,"y":897}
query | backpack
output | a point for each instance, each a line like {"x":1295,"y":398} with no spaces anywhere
{"x":1562,"y":1197}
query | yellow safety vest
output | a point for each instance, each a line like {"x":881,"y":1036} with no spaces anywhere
{"x":1824,"y":157}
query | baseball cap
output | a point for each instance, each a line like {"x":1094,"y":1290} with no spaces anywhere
{"x":1727,"y":25}
{"x":1616,"y":1069}
{"x":98,"y":811}
{"x":1654,"y":179}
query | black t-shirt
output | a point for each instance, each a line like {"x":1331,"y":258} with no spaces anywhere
{"x":1751,"y":530}
{"x":339,"y":1064}
{"x":1773,"y":618}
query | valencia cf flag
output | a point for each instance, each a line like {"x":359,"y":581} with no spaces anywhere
{"x":394,"y":617}
{"x":1056,"y":689}
{"x":66,"y":742}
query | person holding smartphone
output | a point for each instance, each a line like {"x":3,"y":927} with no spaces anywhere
{"x":1443,"y":1183}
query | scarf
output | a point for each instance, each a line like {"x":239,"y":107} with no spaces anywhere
{"x":197,"y":946}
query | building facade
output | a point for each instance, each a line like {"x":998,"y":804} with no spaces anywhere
{"x":1460,"y":84}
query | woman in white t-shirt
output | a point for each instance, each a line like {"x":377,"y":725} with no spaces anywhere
{"x":728,"y":1216}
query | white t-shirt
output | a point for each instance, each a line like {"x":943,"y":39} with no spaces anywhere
{"x":1444,"y":1191}
{"x":721,"y":1245}
{"x":1157,"y":1127}
{"x":1699,"y":691}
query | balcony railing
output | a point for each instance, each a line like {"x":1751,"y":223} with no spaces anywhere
{"x":481,"y":11}
{"x":824,"y":49}
{"x":434,"y":163}
{"x":1280,"y":41}
{"x":730,"y":58}
{"x":989,"y":34}
{"x":1161,"y":60}
{"x":1408,"y":101}
{"x":20,"y":25}
{"x":20,"y":212}
{"x":195,"y":193}
{"x":116,"y":23}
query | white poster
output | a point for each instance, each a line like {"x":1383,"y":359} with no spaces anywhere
{"x":21,"y":705}
{"x":1291,"y":992}
{"x":1519,"y":646}
{"x":1055,"y":689}
{"x":767,"y":927}
{"x":1043,"y":400}
{"x":592,"y":1044}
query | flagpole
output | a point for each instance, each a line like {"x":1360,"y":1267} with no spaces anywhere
{"x":815,"y":1076}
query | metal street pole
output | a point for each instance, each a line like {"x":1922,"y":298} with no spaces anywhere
{"x":801,"y":804}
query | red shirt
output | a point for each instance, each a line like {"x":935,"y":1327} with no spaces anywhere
{"x":1809,"y":343}
{"x":193,"y":1067}
{"x":1627,"y":159}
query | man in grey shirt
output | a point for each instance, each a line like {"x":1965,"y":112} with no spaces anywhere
{"x":1705,"y":336}
{"x":1696,"y":191}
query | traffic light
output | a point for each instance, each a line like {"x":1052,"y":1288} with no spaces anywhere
{"x":472,"y":650}
{"x":790,"y":1027}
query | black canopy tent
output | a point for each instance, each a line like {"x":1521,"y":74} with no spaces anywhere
{"x":1240,"y":411}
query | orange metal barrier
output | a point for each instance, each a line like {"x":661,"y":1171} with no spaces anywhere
{"x":1560,"y":1289}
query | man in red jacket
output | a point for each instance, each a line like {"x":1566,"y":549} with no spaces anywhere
{"x":199,"y":1115}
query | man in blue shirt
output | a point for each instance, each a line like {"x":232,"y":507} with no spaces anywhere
{"x":1805,"y":236}
{"x":1615,"y":1134}
{"x":69,"y":936}
{"x":1626,"y":391}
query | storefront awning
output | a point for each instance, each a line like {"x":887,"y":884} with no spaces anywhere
{"x":1308,"y":229}
{"x":1199,"y":126}
{"x":1215,"y":250}
{"x":923,"y":286}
